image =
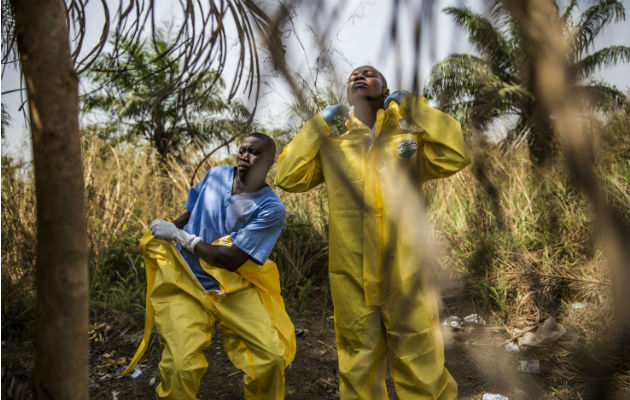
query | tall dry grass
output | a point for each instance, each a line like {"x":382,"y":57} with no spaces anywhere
{"x":18,"y":248}
{"x":523,"y":243}
{"x":302,"y":251}
{"x":125,"y":188}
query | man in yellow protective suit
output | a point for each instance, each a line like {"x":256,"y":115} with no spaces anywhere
{"x":383,"y":306}
{"x":218,"y":271}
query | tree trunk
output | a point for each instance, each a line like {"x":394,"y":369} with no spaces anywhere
{"x":61,"y":341}
{"x":542,"y":141}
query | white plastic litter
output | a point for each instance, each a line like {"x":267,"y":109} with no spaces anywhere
{"x":136,"y":372}
{"x":474,"y":319}
{"x":548,"y":332}
{"x":579,"y":306}
{"x":115,"y":394}
{"x":491,"y":396}
{"x":512,"y":347}
{"x":453,"y":322}
{"x":529,"y":366}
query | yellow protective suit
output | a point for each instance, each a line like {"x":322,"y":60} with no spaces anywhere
{"x":258,"y":334}
{"x":382,"y":305}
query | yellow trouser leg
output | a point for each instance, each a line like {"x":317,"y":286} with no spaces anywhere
{"x":405,"y":329}
{"x":416,"y":356}
{"x":185,"y":331}
{"x":360,"y":342}
{"x":414,"y":341}
{"x":184,"y":325}
{"x":252,"y":343}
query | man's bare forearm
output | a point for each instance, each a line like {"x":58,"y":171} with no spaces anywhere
{"x":229,"y":258}
{"x":182,"y":220}
{"x":225,"y":257}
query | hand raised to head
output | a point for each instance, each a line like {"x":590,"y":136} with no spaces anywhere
{"x":329,"y":112}
{"x":396,"y":96}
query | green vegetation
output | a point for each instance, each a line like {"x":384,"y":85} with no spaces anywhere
{"x":498,"y":82}
{"x":140,"y":94}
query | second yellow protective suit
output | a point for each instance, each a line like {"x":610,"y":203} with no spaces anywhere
{"x":258,"y":335}
{"x":382,"y":307}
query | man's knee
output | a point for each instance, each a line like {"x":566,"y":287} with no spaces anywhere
{"x":184,"y":365}
{"x":271,"y":363}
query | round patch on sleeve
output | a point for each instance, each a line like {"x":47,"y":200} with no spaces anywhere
{"x":407,"y":148}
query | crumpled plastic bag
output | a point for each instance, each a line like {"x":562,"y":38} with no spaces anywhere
{"x":550,"y":331}
{"x":492,"y":396}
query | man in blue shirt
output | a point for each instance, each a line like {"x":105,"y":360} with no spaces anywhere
{"x":218,"y":272}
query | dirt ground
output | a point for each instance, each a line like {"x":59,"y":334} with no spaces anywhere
{"x":474,"y":356}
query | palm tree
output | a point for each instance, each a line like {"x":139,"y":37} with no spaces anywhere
{"x":499,"y":82}
{"x":140,"y":94}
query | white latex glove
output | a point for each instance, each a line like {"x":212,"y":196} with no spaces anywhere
{"x":166,"y":230}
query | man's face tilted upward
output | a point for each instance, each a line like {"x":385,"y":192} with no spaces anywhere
{"x":366,"y":83}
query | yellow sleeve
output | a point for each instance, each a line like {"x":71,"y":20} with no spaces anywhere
{"x":299,"y":167}
{"x":444,"y":149}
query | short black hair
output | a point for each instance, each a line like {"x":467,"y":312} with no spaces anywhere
{"x":380,"y":74}
{"x":269,"y":143}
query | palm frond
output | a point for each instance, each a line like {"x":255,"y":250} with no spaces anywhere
{"x":513,"y":93}
{"x":459,"y":75}
{"x":566,"y":15}
{"x":606,"y":57}
{"x":486,"y":38}
{"x":592,"y":22}
{"x":500,"y":14}
{"x":603,"y":97}
{"x":466,"y":87}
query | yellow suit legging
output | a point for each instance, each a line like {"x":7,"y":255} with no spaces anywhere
{"x":404,"y":329}
{"x":258,"y":337}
